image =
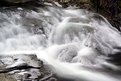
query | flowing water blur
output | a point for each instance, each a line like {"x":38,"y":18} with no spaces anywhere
{"x":76,"y":43}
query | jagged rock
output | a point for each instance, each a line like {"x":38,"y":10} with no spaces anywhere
{"x":24,"y":68}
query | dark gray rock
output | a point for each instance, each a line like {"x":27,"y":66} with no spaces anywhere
{"x":18,"y":1}
{"x":25,"y":68}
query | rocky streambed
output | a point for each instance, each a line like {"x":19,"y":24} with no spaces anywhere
{"x":26,"y":67}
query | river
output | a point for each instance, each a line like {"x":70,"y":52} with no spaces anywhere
{"x":75,"y":42}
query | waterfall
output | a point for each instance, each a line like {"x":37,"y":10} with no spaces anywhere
{"x":75,"y":42}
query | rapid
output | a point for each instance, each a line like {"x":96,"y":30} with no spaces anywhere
{"x":75,"y":42}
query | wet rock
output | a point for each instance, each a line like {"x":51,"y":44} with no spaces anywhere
{"x":17,"y":1}
{"x":21,"y":3}
{"x":24,"y":68}
{"x":78,"y":3}
{"x":5,"y":77}
{"x":108,"y":8}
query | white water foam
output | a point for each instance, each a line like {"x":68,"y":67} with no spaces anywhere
{"x":71,"y":40}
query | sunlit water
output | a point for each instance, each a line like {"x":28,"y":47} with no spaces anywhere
{"x":74,"y":42}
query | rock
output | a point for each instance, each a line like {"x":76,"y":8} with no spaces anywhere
{"x":21,"y":3}
{"x":18,"y":1}
{"x":78,"y":3}
{"x":24,"y":68}
{"x":108,"y":8}
{"x":5,"y":77}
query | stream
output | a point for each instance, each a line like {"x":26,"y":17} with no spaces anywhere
{"x":77,"y":43}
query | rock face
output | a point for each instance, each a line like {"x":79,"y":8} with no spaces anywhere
{"x":18,"y":1}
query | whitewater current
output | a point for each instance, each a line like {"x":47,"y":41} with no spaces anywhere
{"x":75,"y":42}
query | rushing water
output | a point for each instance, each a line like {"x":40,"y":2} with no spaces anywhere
{"x":75,"y":42}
